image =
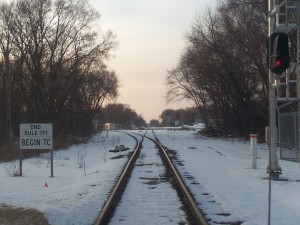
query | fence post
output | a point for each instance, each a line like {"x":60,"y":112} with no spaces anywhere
{"x":253,"y":150}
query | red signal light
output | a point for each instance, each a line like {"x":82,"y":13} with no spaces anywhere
{"x":279,"y":49}
{"x":277,"y":62}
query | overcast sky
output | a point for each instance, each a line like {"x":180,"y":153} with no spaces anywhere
{"x":151,"y":37}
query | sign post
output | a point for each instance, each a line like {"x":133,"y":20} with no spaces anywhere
{"x":36,"y":136}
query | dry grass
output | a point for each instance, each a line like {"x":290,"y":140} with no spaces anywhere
{"x":10,"y":215}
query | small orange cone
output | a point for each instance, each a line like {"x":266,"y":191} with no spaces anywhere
{"x":45,"y":185}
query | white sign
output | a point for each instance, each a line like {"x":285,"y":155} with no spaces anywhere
{"x":36,"y":136}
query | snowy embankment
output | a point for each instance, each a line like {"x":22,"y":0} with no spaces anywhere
{"x":83,"y":175}
{"x":220,"y":169}
{"x":223,"y":170}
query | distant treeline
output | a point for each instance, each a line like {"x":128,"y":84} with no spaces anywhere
{"x":122,"y":115}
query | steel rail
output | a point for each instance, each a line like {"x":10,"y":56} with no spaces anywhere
{"x":197,"y":216}
{"x":108,"y":208}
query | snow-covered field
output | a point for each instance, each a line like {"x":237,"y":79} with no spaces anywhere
{"x":223,"y":170}
{"x":219,"y":173}
{"x":83,"y":175}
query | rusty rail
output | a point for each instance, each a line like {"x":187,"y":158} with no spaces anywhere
{"x":107,"y":211}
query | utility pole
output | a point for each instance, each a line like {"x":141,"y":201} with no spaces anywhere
{"x":273,"y":168}
{"x":270,"y":132}
{"x":298,"y":79}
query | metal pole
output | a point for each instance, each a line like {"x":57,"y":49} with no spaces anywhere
{"x":21,"y":158}
{"x":273,"y":168}
{"x":51,"y":163}
{"x":298,"y":79}
{"x":51,"y":153}
{"x":270,"y":31}
{"x":296,"y":134}
{"x":279,"y":131}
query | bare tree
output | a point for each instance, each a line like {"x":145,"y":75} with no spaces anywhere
{"x":5,"y":47}
{"x":57,"y":61}
{"x":223,"y":70}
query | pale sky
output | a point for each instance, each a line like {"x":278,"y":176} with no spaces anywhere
{"x":151,"y":38}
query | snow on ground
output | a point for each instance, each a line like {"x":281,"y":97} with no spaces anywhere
{"x":74,"y":195}
{"x":220,"y":168}
{"x":223,"y":169}
{"x":149,"y":193}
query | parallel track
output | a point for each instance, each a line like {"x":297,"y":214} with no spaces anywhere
{"x":195,"y":215}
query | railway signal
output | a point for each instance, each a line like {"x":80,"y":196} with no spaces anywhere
{"x":280,"y":60}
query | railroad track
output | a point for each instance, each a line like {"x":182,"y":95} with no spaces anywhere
{"x":149,"y":190}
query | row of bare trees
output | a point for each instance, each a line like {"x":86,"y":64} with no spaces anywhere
{"x":123,"y":115}
{"x":52,"y":65}
{"x":223,"y":67}
{"x":186,"y":116}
